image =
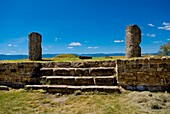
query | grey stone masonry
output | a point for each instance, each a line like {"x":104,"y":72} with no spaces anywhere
{"x":35,"y":50}
{"x":133,"y":40}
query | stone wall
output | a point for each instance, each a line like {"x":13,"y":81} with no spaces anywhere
{"x":21,"y":73}
{"x":134,"y":74}
{"x":18,"y":74}
{"x":85,"y":64}
{"x":144,"y":74}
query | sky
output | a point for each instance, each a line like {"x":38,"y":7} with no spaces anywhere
{"x":82,"y":26}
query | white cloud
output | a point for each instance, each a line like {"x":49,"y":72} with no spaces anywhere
{"x":168,"y":39}
{"x":9,"y":45}
{"x":57,"y":39}
{"x":151,"y":25}
{"x":166,"y":26}
{"x":151,"y":35}
{"x":75,"y":44}
{"x":70,"y":47}
{"x":156,"y":42}
{"x":142,"y":34}
{"x":90,"y":47}
{"x":118,"y":41}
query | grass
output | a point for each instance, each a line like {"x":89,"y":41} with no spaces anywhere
{"x":75,"y":58}
{"x":22,"y":102}
{"x":158,"y":103}
{"x":31,"y":102}
{"x":63,"y":59}
{"x":38,"y":102}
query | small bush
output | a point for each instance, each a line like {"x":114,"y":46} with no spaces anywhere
{"x":41,"y":91}
{"x":78,"y":92}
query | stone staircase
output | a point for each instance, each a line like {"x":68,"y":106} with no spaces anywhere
{"x":69,"y":80}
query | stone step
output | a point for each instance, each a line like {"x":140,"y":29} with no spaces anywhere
{"x":97,"y":71}
{"x":81,"y":64}
{"x":71,"y":89}
{"x":4,"y":87}
{"x":77,"y":80}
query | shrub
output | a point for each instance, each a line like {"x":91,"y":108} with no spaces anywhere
{"x":78,"y":92}
{"x":165,"y":49}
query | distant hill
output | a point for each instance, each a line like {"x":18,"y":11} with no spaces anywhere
{"x":17,"y":57}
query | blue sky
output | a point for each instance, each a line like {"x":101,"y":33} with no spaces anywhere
{"x":82,"y":26}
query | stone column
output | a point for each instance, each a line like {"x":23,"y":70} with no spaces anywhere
{"x":133,"y":40}
{"x":35,"y":50}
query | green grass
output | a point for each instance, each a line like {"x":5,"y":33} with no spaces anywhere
{"x":75,"y":58}
{"x":72,"y":57}
{"x":38,"y":102}
{"x":62,"y":59}
{"x":31,"y":102}
{"x":22,"y":102}
{"x":95,"y":104}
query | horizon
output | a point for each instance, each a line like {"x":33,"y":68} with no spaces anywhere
{"x":78,"y":54}
{"x":82,"y":26}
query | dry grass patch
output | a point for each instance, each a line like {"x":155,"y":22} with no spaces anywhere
{"x":150,"y":102}
{"x":94,"y":104}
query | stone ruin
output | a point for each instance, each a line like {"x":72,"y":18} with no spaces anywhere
{"x":133,"y":40}
{"x":35,"y":50}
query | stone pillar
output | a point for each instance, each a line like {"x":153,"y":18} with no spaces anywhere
{"x":133,"y":40}
{"x":35,"y":50}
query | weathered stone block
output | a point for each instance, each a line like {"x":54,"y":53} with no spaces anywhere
{"x":4,"y":88}
{"x":69,"y":81}
{"x":102,"y":71}
{"x":106,"y":81}
{"x":72,"y":89}
{"x":77,"y":64}
{"x":57,"y":81}
{"x":85,"y":57}
{"x":108,"y":89}
{"x":82,"y":72}
{"x":62,"y":71}
{"x":108,"y":64}
{"x":133,"y":39}
{"x":47,"y":72}
{"x":35,"y":50}
{"x":84,"y":81}
{"x":159,"y":69}
{"x":63,"y":64}
{"x":57,"y":89}
{"x":88,"y":88}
